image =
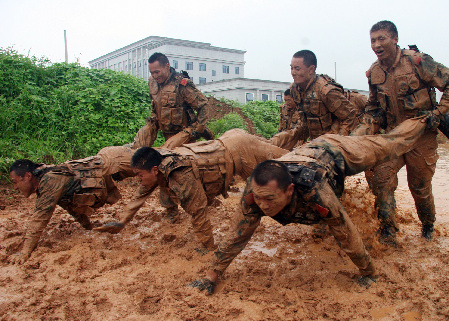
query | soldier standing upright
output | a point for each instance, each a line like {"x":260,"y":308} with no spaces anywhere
{"x":320,"y":102}
{"x":401,"y":85}
{"x":178,"y":108}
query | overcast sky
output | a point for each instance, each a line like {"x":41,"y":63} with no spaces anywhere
{"x":270,"y":31}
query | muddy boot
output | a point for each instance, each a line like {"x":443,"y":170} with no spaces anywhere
{"x":427,"y":232}
{"x":172,"y":215}
{"x":366,"y":281}
{"x":387,"y":235}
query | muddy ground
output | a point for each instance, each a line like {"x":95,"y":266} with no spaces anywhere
{"x":286,"y":272}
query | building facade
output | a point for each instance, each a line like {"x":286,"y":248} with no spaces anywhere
{"x":245,"y":90}
{"x":203,"y":62}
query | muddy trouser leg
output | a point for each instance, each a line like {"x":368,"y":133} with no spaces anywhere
{"x":344,"y":231}
{"x":193,"y":199}
{"x":384,"y":184}
{"x":80,"y":214}
{"x":421,"y":163}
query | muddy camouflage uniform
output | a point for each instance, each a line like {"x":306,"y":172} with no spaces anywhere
{"x":172,"y":111}
{"x":320,"y":109}
{"x":318,"y":169}
{"x":401,"y":92}
{"x":196,"y":173}
{"x":78,"y":186}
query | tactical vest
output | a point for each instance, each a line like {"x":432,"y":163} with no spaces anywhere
{"x":92,"y":191}
{"x":401,"y":93}
{"x":89,"y":191}
{"x":168,"y":103}
{"x":206,"y":160}
{"x":319,"y":118}
{"x":311,"y":164}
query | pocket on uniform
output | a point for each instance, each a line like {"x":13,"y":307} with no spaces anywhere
{"x":84,"y":199}
{"x":165,"y":116}
{"x":177,"y":116}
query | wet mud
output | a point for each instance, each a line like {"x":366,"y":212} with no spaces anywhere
{"x":293,"y":272}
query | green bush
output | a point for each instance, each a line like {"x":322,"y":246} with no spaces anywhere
{"x":54,"y":112}
{"x":229,"y":121}
{"x":265,"y":116}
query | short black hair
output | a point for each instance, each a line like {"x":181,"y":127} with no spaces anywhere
{"x":308,"y":56}
{"x":386,"y":25}
{"x":146,"y":158}
{"x":287,"y":92}
{"x":270,"y":170}
{"x":160,"y":57}
{"x":22,"y":166}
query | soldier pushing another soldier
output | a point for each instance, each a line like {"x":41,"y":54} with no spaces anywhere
{"x":178,"y":108}
{"x":304,"y":187}
{"x":321,"y":104}
{"x":401,"y":84}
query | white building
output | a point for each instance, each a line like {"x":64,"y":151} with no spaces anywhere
{"x":244,"y":90}
{"x":203,"y":62}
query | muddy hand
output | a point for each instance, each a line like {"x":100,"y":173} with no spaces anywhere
{"x":366,"y":281}
{"x":203,"y":284}
{"x":112,"y":227}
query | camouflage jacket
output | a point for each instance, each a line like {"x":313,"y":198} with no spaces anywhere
{"x":77,"y":186}
{"x":173,"y":103}
{"x":406,"y":88}
{"x":325,"y":107}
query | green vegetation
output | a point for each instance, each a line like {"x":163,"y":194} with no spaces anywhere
{"x":54,"y":112}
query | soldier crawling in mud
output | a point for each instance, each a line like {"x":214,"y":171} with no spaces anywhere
{"x":196,"y":173}
{"x":174,"y":100}
{"x":321,"y":105}
{"x":401,"y":85}
{"x":304,"y":187}
{"x":78,"y":186}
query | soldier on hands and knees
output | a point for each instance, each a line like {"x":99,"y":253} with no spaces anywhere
{"x":196,"y":173}
{"x":304,"y":187}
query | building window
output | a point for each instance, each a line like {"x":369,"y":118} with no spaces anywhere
{"x":279,"y":99}
{"x":225,"y":69}
{"x":202,"y":66}
{"x":214,"y":72}
{"x":202,"y":80}
{"x":134,"y":65}
{"x":189,"y":65}
{"x":249,"y":97}
{"x":264,"y":97}
{"x":175,"y":64}
{"x":237,"y":70}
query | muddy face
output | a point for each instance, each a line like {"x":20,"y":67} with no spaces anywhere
{"x":270,"y":198}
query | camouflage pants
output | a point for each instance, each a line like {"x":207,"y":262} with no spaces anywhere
{"x":341,"y":227}
{"x":420,"y":165}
